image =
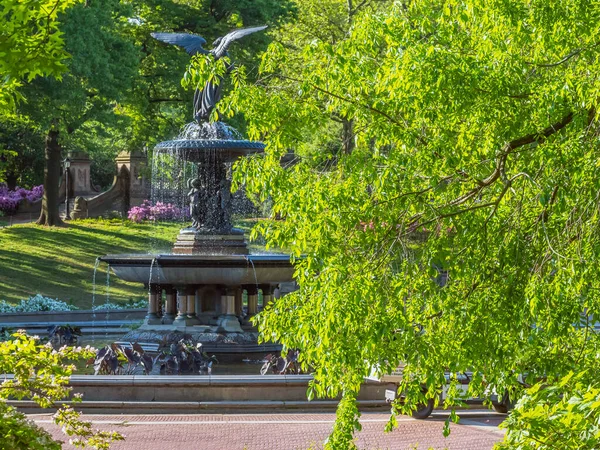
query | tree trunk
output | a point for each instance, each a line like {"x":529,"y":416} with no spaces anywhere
{"x":49,"y":215}
{"x":11,"y":181}
{"x":348,"y":135}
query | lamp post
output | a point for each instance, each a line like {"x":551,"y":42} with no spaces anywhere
{"x":67,"y":164}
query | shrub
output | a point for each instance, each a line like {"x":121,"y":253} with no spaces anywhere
{"x":41,"y":374}
{"x":9,"y":200}
{"x":19,"y":433}
{"x":35,"y":304}
{"x":118,"y":306}
{"x":158,"y":211}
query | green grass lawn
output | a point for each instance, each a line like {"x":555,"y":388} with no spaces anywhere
{"x":59,"y":262}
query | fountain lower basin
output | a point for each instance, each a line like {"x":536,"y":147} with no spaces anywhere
{"x":203,"y":293}
{"x":227,"y":270}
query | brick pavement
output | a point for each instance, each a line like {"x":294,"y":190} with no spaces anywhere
{"x":477,"y":431}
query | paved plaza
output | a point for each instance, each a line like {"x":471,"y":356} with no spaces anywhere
{"x":478,"y":430}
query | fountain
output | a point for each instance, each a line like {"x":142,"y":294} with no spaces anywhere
{"x":203,"y":279}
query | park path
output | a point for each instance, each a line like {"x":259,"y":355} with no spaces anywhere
{"x":478,"y":430}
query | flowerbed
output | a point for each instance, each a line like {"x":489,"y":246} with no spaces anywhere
{"x":158,"y":211}
{"x":10,"y":199}
{"x":118,"y":306}
{"x":35,"y":304}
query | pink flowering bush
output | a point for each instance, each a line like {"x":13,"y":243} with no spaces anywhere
{"x":157,"y":211}
{"x":9,"y":200}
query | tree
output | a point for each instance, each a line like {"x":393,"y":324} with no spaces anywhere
{"x":460,"y":233}
{"x":21,"y":139}
{"x":30,"y":45}
{"x":100,"y":73}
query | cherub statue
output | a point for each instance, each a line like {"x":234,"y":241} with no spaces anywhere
{"x":195,"y":196}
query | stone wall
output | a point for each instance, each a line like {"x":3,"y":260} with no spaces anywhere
{"x":130,"y":187}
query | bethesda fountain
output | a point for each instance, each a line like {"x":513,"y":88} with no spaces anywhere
{"x":198,"y":287}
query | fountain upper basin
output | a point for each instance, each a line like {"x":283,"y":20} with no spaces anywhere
{"x":229,"y":149}
{"x":227,"y":270}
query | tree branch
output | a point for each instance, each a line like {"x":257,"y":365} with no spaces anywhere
{"x":575,"y":52}
{"x":348,"y":100}
{"x":498,"y":172}
{"x":160,"y":100}
{"x":507,"y":150}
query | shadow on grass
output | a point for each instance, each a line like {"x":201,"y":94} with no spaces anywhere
{"x":59,"y":262}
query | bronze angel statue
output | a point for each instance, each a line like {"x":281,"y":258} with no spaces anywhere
{"x":205,"y":99}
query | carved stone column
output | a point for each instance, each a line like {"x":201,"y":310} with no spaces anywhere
{"x":170,"y":305}
{"x":238,"y":302}
{"x":267,"y":291}
{"x":181,"y":318}
{"x":252,"y":300}
{"x":160,"y":307}
{"x":153,"y":317}
{"x":208,"y":299}
{"x":192,"y":319}
{"x":228,"y":320}
{"x":138,"y":187}
{"x":79,"y":173}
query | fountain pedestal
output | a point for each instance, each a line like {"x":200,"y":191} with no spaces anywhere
{"x":194,"y":242}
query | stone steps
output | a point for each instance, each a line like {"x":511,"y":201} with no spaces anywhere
{"x":126,"y":407}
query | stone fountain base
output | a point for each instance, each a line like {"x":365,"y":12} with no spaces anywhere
{"x":191,"y":242}
{"x":204,"y":293}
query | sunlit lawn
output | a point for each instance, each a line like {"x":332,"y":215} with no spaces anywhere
{"x":59,"y":262}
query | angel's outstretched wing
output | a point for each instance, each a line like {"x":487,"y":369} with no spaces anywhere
{"x":192,"y":43}
{"x":222,"y":44}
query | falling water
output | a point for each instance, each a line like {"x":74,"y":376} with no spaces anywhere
{"x":150,"y":279}
{"x":94,"y":299}
{"x":248,"y":259}
{"x":107,"y":303}
{"x":206,"y":131}
{"x":193,"y":156}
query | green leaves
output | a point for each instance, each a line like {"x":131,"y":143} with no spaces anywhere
{"x":562,"y":413}
{"x":31,"y":44}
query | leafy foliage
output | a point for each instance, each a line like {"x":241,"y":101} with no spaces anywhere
{"x":467,"y":152}
{"x":110,"y":360}
{"x":184,"y":358}
{"x":18,"y":433}
{"x":30,"y":43}
{"x":41,"y":374}
{"x":563,"y":414}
